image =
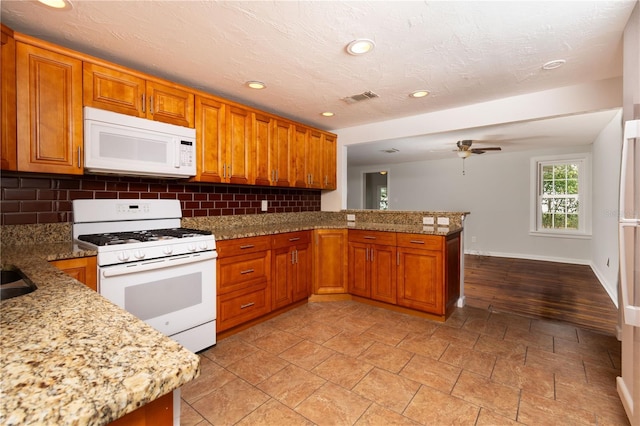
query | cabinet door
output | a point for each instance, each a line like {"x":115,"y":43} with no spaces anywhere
{"x":264,"y":169}
{"x":383,"y":273}
{"x":359,"y":269}
{"x":239,"y":147}
{"x":170,"y":104}
{"x":302,"y":272}
{"x":113,"y":90}
{"x":314,"y":159}
{"x":281,"y":152}
{"x":8,"y":153}
{"x":330,"y":261}
{"x":49,"y":108}
{"x":210,"y":134}
{"x":298,"y":157}
{"x":329,"y":153}
{"x":283,"y":276}
{"x":420,"y":280}
{"x":83,"y":269}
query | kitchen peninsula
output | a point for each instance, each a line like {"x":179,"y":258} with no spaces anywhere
{"x":70,"y":356}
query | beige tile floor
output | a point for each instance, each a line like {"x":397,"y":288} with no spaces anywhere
{"x":348,"y":363}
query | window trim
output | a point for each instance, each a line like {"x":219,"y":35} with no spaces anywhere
{"x":584,"y":195}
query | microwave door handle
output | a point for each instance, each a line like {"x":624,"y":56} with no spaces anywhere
{"x":155,"y":264}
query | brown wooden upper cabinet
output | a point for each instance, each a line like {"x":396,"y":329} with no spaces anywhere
{"x":272,"y":140}
{"x":329,"y":156}
{"x":307,"y":157}
{"x":49,"y":110}
{"x":121,"y":90}
{"x":8,"y":152}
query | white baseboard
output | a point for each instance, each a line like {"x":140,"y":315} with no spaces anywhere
{"x":529,"y":257}
{"x":612,"y":290}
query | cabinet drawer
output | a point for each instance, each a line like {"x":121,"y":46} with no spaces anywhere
{"x":238,"y":272}
{"x":372,"y":237}
{"x":427,"y":242}
{"x":239,"y":246}
{"x":291,"y":238}
{"x":240,"y":307}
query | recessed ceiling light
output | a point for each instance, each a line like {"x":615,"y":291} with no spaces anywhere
{"x":327,"y":114}
{"x":419,"y":94}
{"x":57,"y":4}
{"x":360,"y":46}
{"x":256,"y":84}
{"x":552,"y":65}
{"x":383,"y":172}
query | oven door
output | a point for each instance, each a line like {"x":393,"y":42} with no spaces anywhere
{"x":171,"y":294}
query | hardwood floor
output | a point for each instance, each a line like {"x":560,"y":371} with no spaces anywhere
{"x":556,"y":291}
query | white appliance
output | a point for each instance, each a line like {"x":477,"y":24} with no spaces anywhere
{"x":150,"y":266}
{"x":126,"y":145}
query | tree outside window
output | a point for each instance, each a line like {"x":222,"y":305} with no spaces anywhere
{"x":559,"y":198}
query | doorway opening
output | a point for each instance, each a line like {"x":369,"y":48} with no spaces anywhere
{"x":376,"y":190}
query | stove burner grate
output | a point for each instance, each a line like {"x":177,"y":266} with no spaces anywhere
{"x":141,"y":236}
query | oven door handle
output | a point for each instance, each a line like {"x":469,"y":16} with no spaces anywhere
{"x":161,"y":263}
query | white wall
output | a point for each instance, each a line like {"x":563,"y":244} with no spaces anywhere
{"x":495,"y":190}
{"x":606,"y":175}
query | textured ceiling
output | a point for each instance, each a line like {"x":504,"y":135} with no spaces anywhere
{"x":463,"y":52}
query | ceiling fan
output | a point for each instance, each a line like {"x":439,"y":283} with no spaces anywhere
{"x":464,"y":149}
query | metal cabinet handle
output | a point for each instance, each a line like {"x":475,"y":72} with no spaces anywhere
{"x":79,"y":158}
{"x":368,"y":237}
{"x":247,"y":246}
{"x":398,"y":258}
{"x":293,"y":261}
{"x":247,"y":305}
{"x":366,"y":256}
{"x":144,"y":103}
{"x":151,"y":104}
{"x":296,"y":256}
{"x":247,"y":271}
{"x":372,"y":255}
{"x":277,"y":175}
{"x":294,"y":239}
{"x":416,"y":242}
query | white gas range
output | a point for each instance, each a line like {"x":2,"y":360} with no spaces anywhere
{"x":151,"y":267}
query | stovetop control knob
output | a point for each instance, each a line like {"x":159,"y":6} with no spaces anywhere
{"x":203,"y":245}
{"x":123,"y":256}
{"x":191,"y":247}
{"x":167,"y":250}
{"x":139,"y":254}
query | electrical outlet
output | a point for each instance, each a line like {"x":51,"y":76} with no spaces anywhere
{"x":443,"y":220}
{"x":351,"y":218}
{"x":427,"y":220}
{"x":265,"y":205}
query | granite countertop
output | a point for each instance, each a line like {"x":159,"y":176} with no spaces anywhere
{"x":228,"y":233}
{"x":69,"y":356}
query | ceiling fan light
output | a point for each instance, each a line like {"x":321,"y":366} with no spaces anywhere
{"x":464,"y":154}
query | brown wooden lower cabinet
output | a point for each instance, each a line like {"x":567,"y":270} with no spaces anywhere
{"x":243,"y":280}
{"x":156,"y":413}
{"x":372,"y":265}
{"x":83,"y":269}
{"x":428,"y":277}
{"x":291,"y":268}
{"x":330,"y":261}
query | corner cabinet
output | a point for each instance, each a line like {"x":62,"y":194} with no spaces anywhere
{"x":330,"y":261}
{"x":428,"y":276}
{"x":121,"y":90}
{"x":49,"y":111}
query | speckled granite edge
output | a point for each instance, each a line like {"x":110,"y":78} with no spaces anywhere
{"x":69,"y":356}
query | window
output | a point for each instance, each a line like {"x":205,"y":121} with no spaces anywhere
{"x":383,"y":200}
{"x":560,"y":195}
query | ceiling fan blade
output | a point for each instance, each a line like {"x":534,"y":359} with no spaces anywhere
{"x":476,"y":151}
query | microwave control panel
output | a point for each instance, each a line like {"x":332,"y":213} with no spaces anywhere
{"x":187,"y":152}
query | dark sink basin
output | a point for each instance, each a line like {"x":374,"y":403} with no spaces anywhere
{"x":14,"y":283}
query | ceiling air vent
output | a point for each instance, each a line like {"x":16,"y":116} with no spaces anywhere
{"x":360,"y":97}
{"x":390,"y":150}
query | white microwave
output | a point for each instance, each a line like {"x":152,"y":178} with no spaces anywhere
{"x":126,"y":145}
